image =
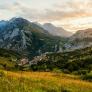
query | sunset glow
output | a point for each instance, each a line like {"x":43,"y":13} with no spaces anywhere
{"x":72,"y":15}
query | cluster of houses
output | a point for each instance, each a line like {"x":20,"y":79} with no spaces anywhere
{"x":25,"y":60}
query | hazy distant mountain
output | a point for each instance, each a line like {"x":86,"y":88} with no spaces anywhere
{"x":56,"y":31}
{"x":29,"y":38}
{"x":20,"y":35}
{"x":81,"y":39}
{"x":81,"y":34}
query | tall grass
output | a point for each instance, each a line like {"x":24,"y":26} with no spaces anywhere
{"x":42,"y":82}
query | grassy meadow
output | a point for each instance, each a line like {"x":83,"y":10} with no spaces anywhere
{"x":42,"y":82}
{"x":77,"y":65}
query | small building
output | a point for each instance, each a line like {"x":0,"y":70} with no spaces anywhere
{"x":33,"y":62}
{"x":23,"y":61}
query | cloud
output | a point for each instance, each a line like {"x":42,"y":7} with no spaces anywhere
{"x":76,"y":8}
{"x":19,"y":9}
{"x":60,"y":13}
{"x":69,"y":9}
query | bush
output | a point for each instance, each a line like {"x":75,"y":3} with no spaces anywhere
{"x":87,"y":77}
{"x":2,"y":74}
{"x":66,"y":71}
{"x":71,"y":66}
{"x":82,"y":72}
{"x":56,"y":70}
{"x":65,"y":90}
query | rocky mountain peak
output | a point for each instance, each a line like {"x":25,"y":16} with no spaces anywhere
{"x":26,"y":37}
{"x":56,"y":31}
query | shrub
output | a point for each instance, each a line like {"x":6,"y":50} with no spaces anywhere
{"x":87,"y":77}
{"x":71,"y":66}
{"x":66,"y":71}
{"x":82,"y":72}
{"x":65,"y":90}
{"x":2,"y":74}
{"x":56,"y":70}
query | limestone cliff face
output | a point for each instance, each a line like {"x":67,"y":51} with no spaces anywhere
{"x":25,"y":37}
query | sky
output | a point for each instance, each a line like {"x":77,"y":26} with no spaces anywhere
{"x":72,"y":15}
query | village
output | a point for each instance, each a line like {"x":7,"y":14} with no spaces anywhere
{"x":25,"y":61}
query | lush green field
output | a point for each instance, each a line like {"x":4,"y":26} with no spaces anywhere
{"x":42,"y":82}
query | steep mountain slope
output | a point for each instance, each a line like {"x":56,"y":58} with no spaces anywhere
{"x":81,"y":34}
{"x":81,"y":39}
{"x":27,"y":38}
{"x":56,"y":31}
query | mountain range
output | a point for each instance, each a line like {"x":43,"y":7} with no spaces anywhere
{"x":25,"y":37}
{"x":55,"y":31}
{"x":81,"y":39}
{"x":32,"y":39}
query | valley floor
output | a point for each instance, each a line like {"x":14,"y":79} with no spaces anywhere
{"x":42,"y":82}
